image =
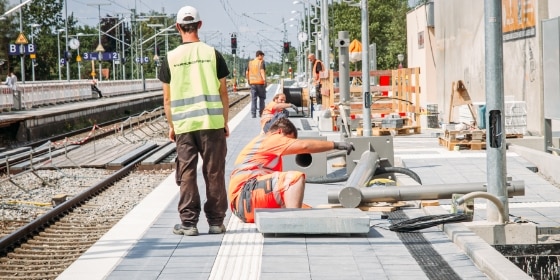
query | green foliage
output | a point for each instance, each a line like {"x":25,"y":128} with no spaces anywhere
{"x":387,"y":27}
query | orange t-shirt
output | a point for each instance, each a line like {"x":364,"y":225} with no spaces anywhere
{"x":263,"y":155}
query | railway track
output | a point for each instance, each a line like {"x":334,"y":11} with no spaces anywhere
{"x":41,"y":241}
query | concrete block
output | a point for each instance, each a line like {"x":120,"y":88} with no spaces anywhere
{"x":313,"y":165}
{"x":312,"y":221}
{"x":383,"y":145}
{"x":504,"y":234}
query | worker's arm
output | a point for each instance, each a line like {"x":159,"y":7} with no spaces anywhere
{"x":310,"y":146}
{"x":225,"y":103}
{"x":167,"y":110}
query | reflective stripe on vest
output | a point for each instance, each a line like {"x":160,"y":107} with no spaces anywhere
{"x":255,"y":77}
{"x":195,"y":89}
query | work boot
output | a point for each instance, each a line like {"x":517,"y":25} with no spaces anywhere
{"x":217,"y":229}
{"x":179,"y":229}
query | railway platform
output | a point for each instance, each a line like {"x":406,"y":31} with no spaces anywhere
{"x":142,"y":245}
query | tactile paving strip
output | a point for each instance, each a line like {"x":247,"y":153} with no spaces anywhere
{"x":423,"y":252}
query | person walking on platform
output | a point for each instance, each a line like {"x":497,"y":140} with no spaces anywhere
{"x":317,"y":68}
{"x":257,"y":179}
{"x":196,"y":107}
{"x":256,"y":77}
{"x":11,"y":81}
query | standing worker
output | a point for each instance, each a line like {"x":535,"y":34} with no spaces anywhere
{"x":257,"y":179}
{"x":256,"y":77}
{"x":317,"y":68}
{"x":196,"y":107}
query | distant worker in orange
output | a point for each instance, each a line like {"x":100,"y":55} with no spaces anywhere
{"x":256,"y":77}
{"x":317,"y":68}
{"x":277,"y":105}
{"x":257,"y":179}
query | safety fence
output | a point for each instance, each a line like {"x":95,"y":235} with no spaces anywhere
{"x":36,"y":94}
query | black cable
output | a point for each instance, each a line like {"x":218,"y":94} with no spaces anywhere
{"x":426,"y":222}
{"x":393,"y":169}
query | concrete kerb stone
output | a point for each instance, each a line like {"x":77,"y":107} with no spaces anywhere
{"x":486,"y":258}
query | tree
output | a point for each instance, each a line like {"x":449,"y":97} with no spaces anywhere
{"x":387,"y":27}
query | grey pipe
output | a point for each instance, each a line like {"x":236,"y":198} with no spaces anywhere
{"x":490,"y":197}
{"x":364,"y":170}
{"x":351,"y":198}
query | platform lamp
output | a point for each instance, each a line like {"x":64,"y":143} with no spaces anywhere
{"x":99,"y":48}
{"x":156,"y":57}
{"x":58,"y":44}
{"x":33,"y":26}
{"x":400,"y":58}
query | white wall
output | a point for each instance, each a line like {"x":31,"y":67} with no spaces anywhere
{"x":458,"y":51}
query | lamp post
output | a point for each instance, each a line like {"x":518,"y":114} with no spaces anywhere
{"x":400,"y":58}
{"x":33,"y":26}
{"x":79,"y":54}
{"x":99,"y":48}
{"x":58,"y":44}
{"x":156,"y":57}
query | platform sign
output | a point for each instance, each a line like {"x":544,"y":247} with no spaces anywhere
{"x":62,"y":61}
{"x":142,"y":59}
{"x":106,"y":56}
{"x":21,"y":40}
{"x":14,"y":49}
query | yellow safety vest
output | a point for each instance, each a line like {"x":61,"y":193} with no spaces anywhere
{"x":195,"y":89}
{"x":255,"y":77}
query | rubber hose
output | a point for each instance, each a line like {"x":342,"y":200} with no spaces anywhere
{"x":326,"y":180}
{"x":401,"y":170}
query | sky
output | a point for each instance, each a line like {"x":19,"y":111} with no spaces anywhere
{"x":258,"y":24}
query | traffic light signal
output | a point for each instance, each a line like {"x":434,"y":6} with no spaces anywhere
{"x":286,"y":47}
{"x":233,"y":42}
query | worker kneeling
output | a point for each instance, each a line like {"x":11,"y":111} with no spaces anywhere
{"x":258,"y":181}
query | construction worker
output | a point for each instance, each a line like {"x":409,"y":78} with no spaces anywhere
{"x":257,"y":179}
{"x":277,"y":105}
{"x":318,"y":67}
{"x":256,"y":77}
{"x":196,"y":107}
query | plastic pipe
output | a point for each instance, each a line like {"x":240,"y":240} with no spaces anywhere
{"x":490,"y":197}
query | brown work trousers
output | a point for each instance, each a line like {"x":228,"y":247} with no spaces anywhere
{"x":212,"y":147}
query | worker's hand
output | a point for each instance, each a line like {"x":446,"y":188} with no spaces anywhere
{"x":348,"y":146}
{"x":295,"y":108}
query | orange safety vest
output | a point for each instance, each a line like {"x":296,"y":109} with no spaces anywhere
{"x":255,"y":77}
{"x":317,"y":76}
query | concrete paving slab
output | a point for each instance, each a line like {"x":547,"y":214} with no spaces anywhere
{"x":312,"y":221}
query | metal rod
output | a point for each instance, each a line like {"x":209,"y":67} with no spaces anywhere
{"x":405,"y":193}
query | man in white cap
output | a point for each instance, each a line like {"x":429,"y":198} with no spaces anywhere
{"x":196,"y":106}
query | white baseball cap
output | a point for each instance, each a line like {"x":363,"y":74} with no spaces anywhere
{"x":185,"y":12}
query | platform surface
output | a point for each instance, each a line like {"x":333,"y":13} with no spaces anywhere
{"x":142,"y":245}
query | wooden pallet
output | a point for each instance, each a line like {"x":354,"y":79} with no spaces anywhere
{"x":468,"y":135}
{"x":514,"y":135}
{"x":464,"y":144}
{"x":405,"y":130}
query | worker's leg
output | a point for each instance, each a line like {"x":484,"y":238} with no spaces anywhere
{"x":293,"y":194}
{"x":276,"y":190}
